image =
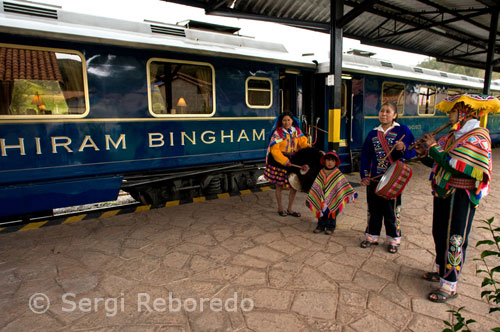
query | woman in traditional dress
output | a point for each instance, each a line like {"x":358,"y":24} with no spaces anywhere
{"x":460,"y":177}
{"x":285,"y":141}
{"x":385,"y":144}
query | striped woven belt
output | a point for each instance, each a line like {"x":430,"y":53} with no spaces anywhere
{"x":461,"y":183}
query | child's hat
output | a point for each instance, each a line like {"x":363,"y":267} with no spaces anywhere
{"x":330,"y":155}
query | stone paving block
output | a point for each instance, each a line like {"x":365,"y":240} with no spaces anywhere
{"x":276,"y":322}
{"x":321,"y":305}
{"x":369,"y":281}
{"x":265,"y":253}
{"x":269,"y":298}
{"x":249,"y":261}
{"x":381,"y":268}
{"x":375,"y":324}
{"x":284,"y":246}
{"x":421,"y":323}
{"x":385,"y":308}
{"x":279,"y":278}
{"x":310,"y":279}
{"x":352,"y":297}
{"x":431,"y":309}
{"x":336,"y":271}
{"x":252,"y":278}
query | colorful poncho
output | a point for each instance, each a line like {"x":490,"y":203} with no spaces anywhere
{"x":470,"y":155}
{"x":329,"y":193}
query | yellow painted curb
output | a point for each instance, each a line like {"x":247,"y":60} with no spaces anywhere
{"x":172,"y":203}
{"x":224,"y":195}
{"x":108,"y":214}
{"x":74,"y":219}
{"x":199,"y":199}
{"x":33,"y":225}
{"x":143,"y":208}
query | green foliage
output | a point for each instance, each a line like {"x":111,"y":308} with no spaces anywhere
{"x":461,"y":324}
{"x":456,"y":69}
{"x":492,"y":293}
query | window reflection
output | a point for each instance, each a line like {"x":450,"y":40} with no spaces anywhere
{"x":40,"y":82}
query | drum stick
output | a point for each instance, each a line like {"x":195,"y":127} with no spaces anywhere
{"x":393,"y":148}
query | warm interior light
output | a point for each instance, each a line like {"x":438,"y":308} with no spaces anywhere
{"x":37,"y":100}
{"x":181,"y":102}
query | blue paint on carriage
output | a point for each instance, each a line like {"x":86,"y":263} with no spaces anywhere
{"x":69,"y":151}
{"x":33,"y":197}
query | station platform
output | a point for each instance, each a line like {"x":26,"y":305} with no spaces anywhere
{"x":234,"y":264}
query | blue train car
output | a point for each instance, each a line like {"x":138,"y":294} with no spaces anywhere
{"x":89,"y":106}
{"x":369,"y":82}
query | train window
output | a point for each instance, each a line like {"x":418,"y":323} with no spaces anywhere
{"x":426,"y":100}
{"x":259,"y":92}
{"x":181,"y":88}
{"x":394,"y":92}
{"x":38,"y":82}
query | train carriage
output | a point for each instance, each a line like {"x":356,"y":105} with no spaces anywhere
{"x":89,"y":106}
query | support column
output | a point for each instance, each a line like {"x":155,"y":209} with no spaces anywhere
{"x":491,"y":51}
{"x":335,"y":91}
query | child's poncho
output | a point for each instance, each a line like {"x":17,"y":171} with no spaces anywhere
{"x":329,"y":193}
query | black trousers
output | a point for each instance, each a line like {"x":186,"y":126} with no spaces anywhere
{"x":451,"y":224}
{"x":381,"y":209}
{"x":326,"y":222}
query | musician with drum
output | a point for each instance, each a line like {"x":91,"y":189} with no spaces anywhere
{"x":386,"y":144}
{"x":460,"y":177}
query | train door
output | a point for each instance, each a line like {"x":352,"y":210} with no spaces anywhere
{"x":290,"y":92}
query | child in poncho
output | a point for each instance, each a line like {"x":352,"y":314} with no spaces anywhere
{"x":329,"y":194}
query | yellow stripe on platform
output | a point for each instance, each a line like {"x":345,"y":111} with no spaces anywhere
{"x":265,"y":188}
{"x":246,"y":191}
{"x":199,"y":199}
{"x":1,"y":229}
{"x":224,"y":195}
{"x":143,"y":208}
{"x":172,"y":203}
{"x":108,"y":214}
{"x":74,"y":219}
{"x":33,"y":225}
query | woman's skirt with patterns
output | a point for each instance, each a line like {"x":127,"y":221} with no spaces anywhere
{"x":276,"y":173}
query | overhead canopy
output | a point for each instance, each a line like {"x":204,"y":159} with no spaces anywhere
{"x":456,"y":31}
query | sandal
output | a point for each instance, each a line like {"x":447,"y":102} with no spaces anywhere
{"x":293,"y":214}
{"x":441,"y":296}
{"x":328,"y":231}
{"x":366,"y":244}
{"x":282,"y":213}
{"x":392,"y":249}
{"x":431,"y":276}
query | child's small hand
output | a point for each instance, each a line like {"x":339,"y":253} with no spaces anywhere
{"x":365,"y":182}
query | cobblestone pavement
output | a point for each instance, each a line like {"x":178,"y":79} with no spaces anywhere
{"x":249,"y":268}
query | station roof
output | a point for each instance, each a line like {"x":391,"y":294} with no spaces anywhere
{"x":455,"y":31}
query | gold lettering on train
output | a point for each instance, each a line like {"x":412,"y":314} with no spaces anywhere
{"x":222,"y":136}
{"x":88,"y":143}
{"x":121,"y":140}
{"x":155,"y":137}
{"x":211,"y":139}
{"x":259,"y":137}
{"x":55,"y":144}
{"x":192,"y":140}
{"x":243,"y":135}
{"x":38,"y":146}
{"x":4,"y":147}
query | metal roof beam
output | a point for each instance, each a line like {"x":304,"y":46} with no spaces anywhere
{"x":428,"y":26}
{"x":353,"y":13}
{"x":409,"y":22}
{"x":459,"y":16}
{"x":316,"y":26}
